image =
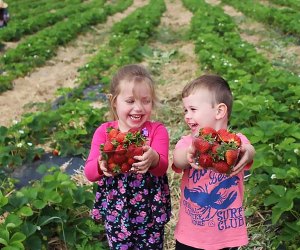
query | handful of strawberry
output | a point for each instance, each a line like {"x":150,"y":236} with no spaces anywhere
{"x":120,"y":148}
{"x":216,"y":150}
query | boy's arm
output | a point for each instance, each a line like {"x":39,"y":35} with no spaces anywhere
{"x":247,"y":155}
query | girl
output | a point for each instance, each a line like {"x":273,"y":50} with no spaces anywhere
{"x":134,"y":206}
{"x":4,"y":15}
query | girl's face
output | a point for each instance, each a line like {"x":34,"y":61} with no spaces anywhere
{"x":133,"y":105}
{"x":199,"y":111}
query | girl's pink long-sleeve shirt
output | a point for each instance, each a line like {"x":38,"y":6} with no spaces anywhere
{"x":211,"y":214}
{"x":158,"y":140}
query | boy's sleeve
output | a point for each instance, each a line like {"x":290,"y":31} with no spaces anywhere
{"x":245,"y":140}
{"x":91,"y":168}
{"x":160,"y":143}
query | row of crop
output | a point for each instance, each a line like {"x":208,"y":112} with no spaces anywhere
{"x":18,"y":27}
{"x":68,"y":125}
{"x":33,"y":220}
{"x":288,"y":3}
{"x":265,"y":109}
{"x":43,"y":8}
{"x":285,"y":19}
{"x":19,"y":6}
{"x":38,"y":48}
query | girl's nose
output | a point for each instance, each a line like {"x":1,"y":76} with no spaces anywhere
{"x":138,"y":106}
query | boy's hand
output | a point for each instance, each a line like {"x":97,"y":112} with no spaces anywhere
{"x":247,"y":154}
{"x":103,"y":167}
{"x":149,"y":159}
{"x":191,"y":151}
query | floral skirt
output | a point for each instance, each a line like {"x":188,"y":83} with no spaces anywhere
{"x":130,"y":204}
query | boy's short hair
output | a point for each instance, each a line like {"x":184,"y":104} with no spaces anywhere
{"x":215,"y":84}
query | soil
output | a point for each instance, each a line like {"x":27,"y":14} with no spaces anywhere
{"x":40,"y":85}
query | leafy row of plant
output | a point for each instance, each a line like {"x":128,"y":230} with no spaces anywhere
{"x":37,"y":49}
{"x":52,"y":210}
{"x":30,"y":219}
{"x":267,"y":103}
{"x":17,"y":28}
{"x":288,"y":3}
{"x":285,"y":19}
{"x":42,"y":8}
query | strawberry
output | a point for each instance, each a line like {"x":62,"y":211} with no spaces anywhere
{"x":120,"y":149}
{"x":112,"y":133}
{"x":130,"y":161}
{"x":125,"y":167}
{"x":133,"y":130}
{"x":205,"y":160}
{"x":231,"y":156}
{"x":120,"y":137}
{"x":202,"y":145}
{"x":208,"y":131}
{"x":114,"y":168}
{"x":130,"y":150}
{"x":138,"y":151}
{"x":223,"y":134}
{"x":55,"y":152}
{"x":221,"y":167}
{"x":108,"y":146}
{"x":119,"y":159}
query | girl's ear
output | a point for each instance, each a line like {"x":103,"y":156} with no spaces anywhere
{"x":221,"y":111}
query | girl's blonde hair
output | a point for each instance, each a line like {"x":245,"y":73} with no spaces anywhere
{"x":216,"y":85}
{"x":132,"y":73}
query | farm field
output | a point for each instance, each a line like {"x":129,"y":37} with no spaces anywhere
{"x":56,"y":60}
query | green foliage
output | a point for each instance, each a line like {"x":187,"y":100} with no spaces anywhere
{"x":54,"y":207}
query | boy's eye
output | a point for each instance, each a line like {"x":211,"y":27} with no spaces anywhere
{"x":147,"y":101}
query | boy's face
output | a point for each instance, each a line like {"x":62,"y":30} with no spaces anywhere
{"x":199,"y":111}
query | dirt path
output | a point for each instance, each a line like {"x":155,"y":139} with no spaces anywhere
{"x":61,"y":71}
{"x":272,"y":46}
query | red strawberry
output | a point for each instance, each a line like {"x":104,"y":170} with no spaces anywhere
{"x":112,"y":133}
{"x":119,"y":159}
{"x":133,"y":130}
{"x":221,"y":167}
{"x":205,"y":160}
{"x":223,"y":134}
{"x":120,"y":149}
{"x":138,"y":151}
{"x":202,"y":145}
{"x":55,"y":152}
{"x":208,"y":131}
{"x":114,"y":168}
{"x":108,"y":146}
{"x":130,"y":161}
{"x":130,"y":150}
{"x":120,"y":137}
{"x":125,"y":167}
{"x":231,"y":156}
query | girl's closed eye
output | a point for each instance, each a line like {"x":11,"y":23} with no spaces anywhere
{"x":130,"y":101}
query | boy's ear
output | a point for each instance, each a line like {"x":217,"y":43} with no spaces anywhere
{"x":221,"y":111}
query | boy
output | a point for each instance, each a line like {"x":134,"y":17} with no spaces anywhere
{"x":211,"y":215}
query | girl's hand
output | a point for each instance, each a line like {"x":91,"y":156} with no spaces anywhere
{"x":149,"y":159}
{"x":247,"y":155}
{"x":103,"y":167}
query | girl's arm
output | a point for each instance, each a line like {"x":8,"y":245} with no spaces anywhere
{"x":91,"y":169}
